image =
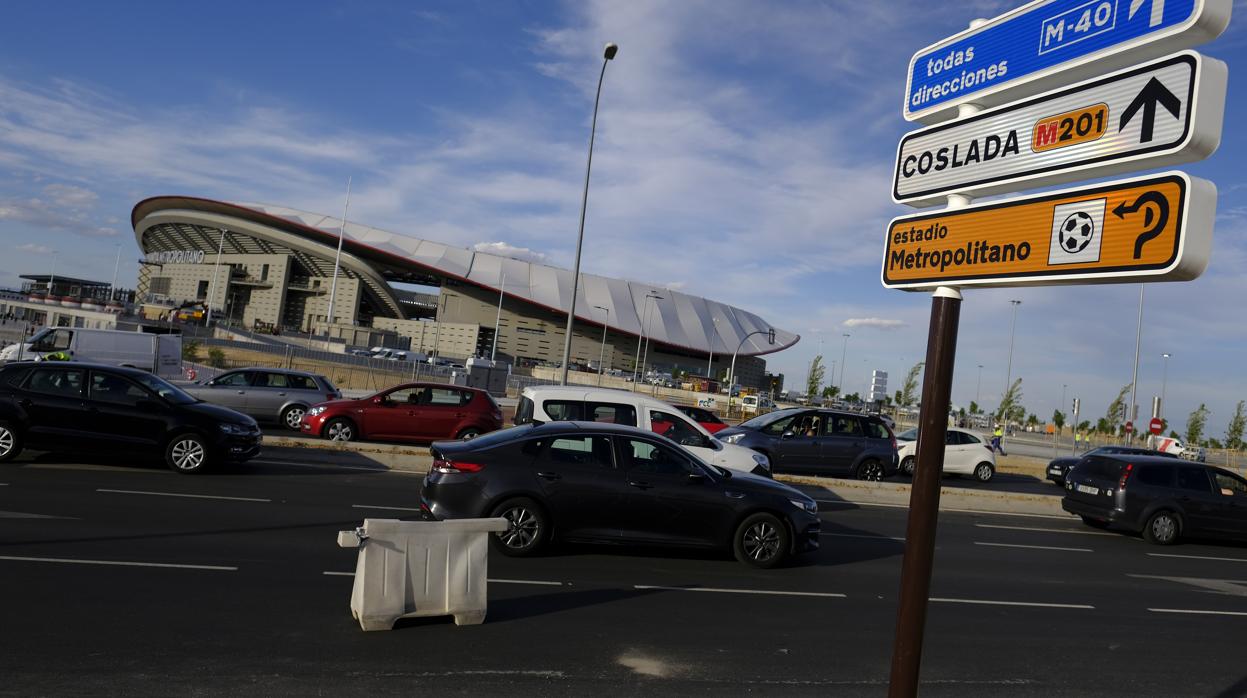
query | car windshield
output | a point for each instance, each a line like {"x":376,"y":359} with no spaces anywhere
{"x":762,"y":420}
{"x":165,"y":389}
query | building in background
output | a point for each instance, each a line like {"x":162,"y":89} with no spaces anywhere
{"x":878,"y":386}
{"x":276,"y":268}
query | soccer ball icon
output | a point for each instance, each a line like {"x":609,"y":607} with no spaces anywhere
{"x":1076,"y":232}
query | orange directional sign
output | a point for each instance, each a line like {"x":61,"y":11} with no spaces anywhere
{"x":1156,"y":228}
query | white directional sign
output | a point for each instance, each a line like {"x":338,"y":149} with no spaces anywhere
{"x":1154,"y":115}
{"x":1049,"y":43}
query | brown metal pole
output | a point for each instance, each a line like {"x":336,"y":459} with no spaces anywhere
{"x":924,"y":496}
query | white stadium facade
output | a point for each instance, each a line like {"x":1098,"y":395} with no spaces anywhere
{"x":276,"y":266}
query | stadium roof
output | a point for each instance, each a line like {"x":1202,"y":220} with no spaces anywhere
{"x":677,"y":319}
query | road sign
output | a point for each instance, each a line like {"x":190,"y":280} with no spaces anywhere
{"x":1129,"y":427}
{"x":1048,"y":43}
{"x":1155,"y":426}
{"x":1155,"y":115}
{"x":1155,"y":228}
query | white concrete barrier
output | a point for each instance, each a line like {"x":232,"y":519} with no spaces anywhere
{"x":410,"y":569}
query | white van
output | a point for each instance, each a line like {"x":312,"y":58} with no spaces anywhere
{"x":159,"y":353}
{"x":554,"y":403}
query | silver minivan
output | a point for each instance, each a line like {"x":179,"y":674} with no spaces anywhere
{"x":268,"y":394}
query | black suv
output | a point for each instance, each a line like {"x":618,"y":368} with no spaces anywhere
{"x":613,"y":483}
{"x":819,"y":442}
{"x":1163,"y":498}
{"x":55,"y":406}
{"x":1058,"y":467}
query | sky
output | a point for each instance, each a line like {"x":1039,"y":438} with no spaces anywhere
{"x":744,"y":153}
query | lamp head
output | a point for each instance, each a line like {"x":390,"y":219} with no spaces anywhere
{"x":611,"y":50}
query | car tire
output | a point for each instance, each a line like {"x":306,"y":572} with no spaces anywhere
{"x":761,"y":540}
{"x":468,"y":434}
{"x":869,"y":469}
{"x":292,"y":417}
{"x":187,"y":453}
{"x":1094,"y":523}
{"x":983,"y":472}
{"x":340,"y":430}
{"x":907,"y":466}
{"x":529,"y":527}
{"x":10,"y":441}
{"x":1163,"y":528}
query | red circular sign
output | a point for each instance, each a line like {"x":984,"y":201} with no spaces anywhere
{"x":1129,"y":427}
{"x":1156,"y":426}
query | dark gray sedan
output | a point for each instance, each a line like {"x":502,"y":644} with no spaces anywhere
{"x":819,"y":442}
{"x":268,"y":394}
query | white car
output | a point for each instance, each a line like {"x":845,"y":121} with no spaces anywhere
{"x":555,"y":403}
{"x":965,"y":453}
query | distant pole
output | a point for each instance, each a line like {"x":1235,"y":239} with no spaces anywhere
{"x":437,"y":326}
{"x":1009,"y":370}
{"x":112,"y":288}
{"x":843,"y":353}
{"x":52,"y":278}
{"x":337,"y":261}
{"x":602,"y":353}
{"x":978,"y":389}
{"x":645,"y":355}
{"x":607,"y":55}
{"x":636,"y":362}
{"x":215,"y":269}
{"x":710,"y":361}
{"x":498,"y":320}
{"x":1163,"y":380}
{"x":1134,"y":377}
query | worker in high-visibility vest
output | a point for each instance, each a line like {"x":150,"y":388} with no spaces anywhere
{"x":997,"y":437}
{"x":1078,"y":440}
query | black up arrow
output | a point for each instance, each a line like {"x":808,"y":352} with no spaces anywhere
{"x":1153,"y":93}
{"x":1150,"y":231}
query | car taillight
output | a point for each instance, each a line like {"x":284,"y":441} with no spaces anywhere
{"x":1125,"y":475}
{"x":449,"y":467}
{"x":893,"y":442}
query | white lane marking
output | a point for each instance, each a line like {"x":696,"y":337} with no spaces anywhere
{"x":338,"y":574}
{"x":988,"y":602}
{"x":23,"y":515}
{"x":536,"y":582}
{"x":1229,"y":587}
{"x":188,"y":496}
{"x":378,"y":506}
{"x":1035,"y":547}
{"x":1198,"y":612}
{"x":331,"y":465}
{"x":765,"y":592}
{"x":1199,"y":557}
{"x":862,"y":535}
{"x":1047,"y":530}
{"x":1066,"y":517}
{"x":119,"y":563}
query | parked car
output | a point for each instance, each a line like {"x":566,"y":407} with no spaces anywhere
{"x":413,"y":412}
{"x":268,"y":394}
{"x":603,"y":482}
{"x":707,"y":419}
{"x":819,"y":442}
{"x":54,"y":406}
{"x":1165,"y":499}
{"x":1059,"y":467}
{"x":965,"y":453}
{"x":550,"y":403}
{"x":159,"y":353}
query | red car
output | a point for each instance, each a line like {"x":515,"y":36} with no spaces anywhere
{"x":410,"y":412}
{"x":705,"y":418}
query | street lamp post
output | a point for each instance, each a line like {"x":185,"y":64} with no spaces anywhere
{"x":607,"y":55}
{"x":602,"y":353}
{"x":1132,"y":410}
{"x":1164,"y":378}
{"x":636,"y":362}
{"x":1009,"y":370}
{"x":978,"y":388}
{"x":843,"y":352}
{"x":710,"y":361}
{"x":731,"y":373}
{"x":215,"y":269}
{"x":112,"y":288}
{"x":493,"y":351}
{"x":337,"y":262}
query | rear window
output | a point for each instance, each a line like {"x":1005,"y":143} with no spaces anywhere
{"x":612,"y":413}
{"x":564,"y":410}
{"x":876,"y":430}
{"x":524,"y":411}
{"x":302,"y":382}
{"x":1103,"y":468}
{"x":1156,"y":475}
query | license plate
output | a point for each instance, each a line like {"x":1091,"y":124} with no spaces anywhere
{"x":1087,"y":489}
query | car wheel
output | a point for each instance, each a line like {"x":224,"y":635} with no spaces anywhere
{"x":292,"y":417}
{"x":907,"y":466}
{"x":10,"y":442}
{"x":984,"y":471}
{"x":469,"y":434}
{"x":870,"y":469}
{"x":527,"y":530}
{"x":187,"y":453}
{"x":761,"y":541}
{"x":1162,"y":528}
{"x":1094,"y":523}
{"x":340,"y":430}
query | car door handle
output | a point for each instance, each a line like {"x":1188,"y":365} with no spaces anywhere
{"x":242,"y":392}
{"x":734,"y":495}
{"x":460,"y":415}
{"x":640,"y":485}
{"x":25,"y":403}
{"x":549,"y":476}
{"x":281,"y":395}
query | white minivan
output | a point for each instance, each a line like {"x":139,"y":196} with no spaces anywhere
{"x":556,"y":403}
{"x":159,"y":353}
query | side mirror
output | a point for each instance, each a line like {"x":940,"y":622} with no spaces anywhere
{"x":378,"y":400}
{"x":787,"y":435}
{"x":696,"y":478}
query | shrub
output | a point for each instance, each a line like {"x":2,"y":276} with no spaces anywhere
{"x":216,"y":357}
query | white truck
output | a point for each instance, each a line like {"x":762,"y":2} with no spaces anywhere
{"x":159,"y":353}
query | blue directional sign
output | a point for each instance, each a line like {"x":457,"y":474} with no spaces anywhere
{"x":1049,"y":43}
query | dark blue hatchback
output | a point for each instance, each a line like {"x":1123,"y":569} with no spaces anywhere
{"x":819,"y":442}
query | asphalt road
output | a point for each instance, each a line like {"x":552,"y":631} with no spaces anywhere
{"x":128,"y":578}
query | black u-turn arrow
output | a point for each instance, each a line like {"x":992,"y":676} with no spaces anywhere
{"x":1150,"y":231}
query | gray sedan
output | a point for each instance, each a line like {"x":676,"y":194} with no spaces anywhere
{"x":268,"y":394}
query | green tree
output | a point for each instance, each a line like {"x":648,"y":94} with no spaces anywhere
{"x":1116,"y":415}
{"x":1010,"y":402}
{"x":909,"y":389}
{"x":1195,"y":423}
{"x":974,"y":407}
{"x":1084,"y":425}
{"x":1213,"y":443}
{"x":830,"y":392}
{"x":1234,"y":432}
{"x":216,"y":357}
{"x":853,"y":398}
{"x":1104,"y":426}
{"x":814,"y":378}
{"x":190,"y":350}
{"x":1058,"y":420}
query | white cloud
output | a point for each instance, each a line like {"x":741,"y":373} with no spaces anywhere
{"x":503,"y":249}
{"x":875,"y":322}
{"x":60,"y":207}
{"x":35,"y":249}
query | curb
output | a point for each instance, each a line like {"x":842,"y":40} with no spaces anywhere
{"x":833,"y":490}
